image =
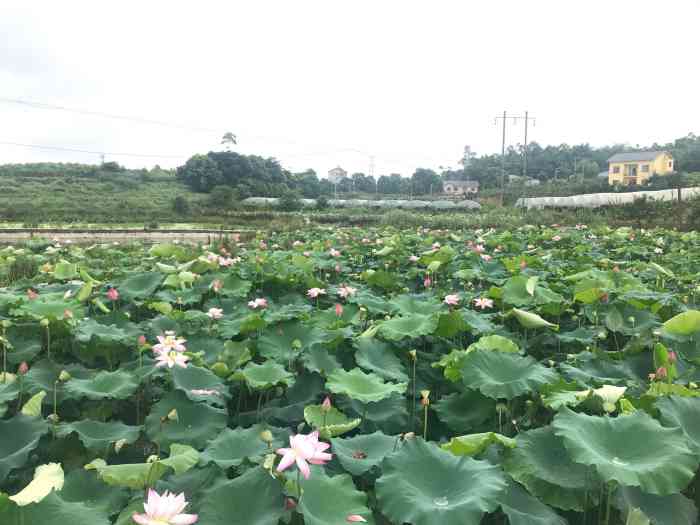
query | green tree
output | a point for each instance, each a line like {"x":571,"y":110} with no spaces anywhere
{"x":229,"y":139}
{"x":181,"y":206}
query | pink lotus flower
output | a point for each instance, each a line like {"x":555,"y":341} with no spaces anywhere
{"x":315,"y":292}
{"x":112,"y":294}
{"x":486,"y":257}
{"x":338,"y":309}
{"x":479,"y":248}
{"x":164,"y":510}
{"x":297,"y":243}
{"x":171,"y":358}
{"x":31,"y":294}
{"x":217,"y":285}
{"x":483,"y":303}
{"x":413,"y":258}
{"x":307,"y":254}
{"x":427,"y":282}
{"x":169,"y":343}
{"x":451,"y":300}
{"x":258,"y":303}
{"x":225,"y":262}
{"x":346,"y":291}
{"x":141,"y":340}
{"x":672,"y":357}
{"x":304,"y":449}
{"x":556,"y":238}
{"x":326,"y":405}
{"x":355,"y":518}
{"x":334,"y":252}
{"x":67,"y":314}
{"x":23,"y":368}
{"x":215,"y":313}
{"x":205,"y":392}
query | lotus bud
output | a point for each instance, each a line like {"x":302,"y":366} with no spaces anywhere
{"x":141,"y":340}
{"x":172,"y":415}
{"x":355,"y":518}
{"x":412,"y":354}
{"x":672,"y":357}
{"x":53,"y":418}
{"x":266,"y":436}
{"x":425,"y":398}
{"x":290,"y":504}
{"x":44,"y":322}
{"x":64,"y":376}
{"x":326,"y":405}
{"x":220,"y":369}
{"x":23,"y":368}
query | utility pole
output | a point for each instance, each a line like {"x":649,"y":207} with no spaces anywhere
{"x":526,"y":118}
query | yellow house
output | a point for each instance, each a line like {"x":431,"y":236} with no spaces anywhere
{"x":638,"y":167}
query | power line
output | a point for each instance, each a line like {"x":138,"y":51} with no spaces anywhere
{"x":101,"y":153}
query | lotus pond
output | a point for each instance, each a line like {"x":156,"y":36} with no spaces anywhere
{"x":539,"y":376}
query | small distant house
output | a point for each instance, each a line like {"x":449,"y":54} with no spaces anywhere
{"x":460,"y":187}
{"x":638,"y":167}
{"x":336,"y":175}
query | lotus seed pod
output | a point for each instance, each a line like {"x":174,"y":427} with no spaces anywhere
{"x":118,"y":445}
{"x":44,"y":322}
{"x":64,"y":376}
{"x":266,"y":436}
{"x":220,"y":369}
{"x":172,"y":415}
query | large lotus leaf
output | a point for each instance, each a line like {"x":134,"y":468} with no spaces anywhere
{"x":478,"y":323}
{"x":331,"y":423}
{"x":389,"y":415}
{"x":234,"y":286}
{"x":523,"y":509}
{"x":360,"y":453}
{"x":684,"y":324}
{"x":50,"y":307}
{"x":329,"y":501}
{"x":503,"y":375}
{"x":26,"y":346}
{"x":98,"y":436}
{"x":47,"y":478}
{"x":379,"y":357}
{"x":542,"y":464}
{"x":196,"y":423}
{"x":91,"y":329}
{"x":675,"y":509}
{"x":589,"y":368}
{"x":140,"y":285}
{"x":9,"y":388}
{"x":363,"y":387}
{"x":84,"y":486}
{"x":194,"y":483}
{"x":192,"y":379}
{"x":496,"y":343}
{"x":105,"y":385}
{"x":532,"y":320}
{"x":286,"y":340}
{"x":266,"y":375}
{"x":418,"y":305}
{"x":424,"y":485}
{"x":319,"y":359}
{"x":682,"y":412}
{"x":20,"y":435}
{"x":412,"y":326}
{"x":464,"y":411}
{"x":475,"y":444}
{"x":182,"y":458}
{"x":632,"y":449}
{"x":255,"y":498}
{"x":65,"y":270}
{"x":233,"y":446}
{"x":53,"y":510}
{"x":450,"y":324}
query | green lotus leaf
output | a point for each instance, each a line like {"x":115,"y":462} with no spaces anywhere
{"x":379,"y":357}
{"x":360,"y":453}
{"x":140,"y":285}
{"x":283,"y":341}
{"x":65,"y":270}
{"x":52,"y":308}
{"x":266,"y":375}
{"x":319,"y":359}
{"x":452,"y":364}
{"x":532,"y":320}
{"x":54,"y":510}
{"x":361,"y":386}
{"x":424,"y":485}
{"x":684,"y":324}
{"x":20,"y":435}
{"x":130,"y":475}
{"x":195,"y":483}
{"x":330,"y":500}
{"x":181,"y":459}
{"x":33,"y":406}
{"x":91,"y":329}
{"x":637,"y":517}
{"x":85,"y":486}
{"x":523,"y":509}
{"x":196,"y":423}
{"x":47,"y":478}
{"x":8,"y":390}
{"x":389,"y":415}
{"x":675,"y":509}
{"x":475,"y":444}
{"x":192,"y":379}
{"x":589,"y":368}
{"x":465,"y":411}
{"x":412,"y":326}
{"x":234,"y":286}
{"x":682,"y":412}
{"x":541,"y":463}
{"x":255,"y":498}
{"x":561,"y":394}
{"x":330,"y":424}
{"x":503,"y":375}
{"x":105,"y":385}
{"x":496,"y":343}
{"x":97,"y":436}
{"x":233,"y":446}
{"x":632,"y":449}
{"x":478,"y":323}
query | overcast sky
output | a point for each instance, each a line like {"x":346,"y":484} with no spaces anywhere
{"x":321,"y":83}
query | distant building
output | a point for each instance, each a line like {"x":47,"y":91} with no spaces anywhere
{"x":336,"y":175}
{"x":638,"y":167}
{"x":460,"y":187}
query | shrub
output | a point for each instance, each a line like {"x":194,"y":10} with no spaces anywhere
{"x":22,"y":268}
{"x":290,"y":201}
{"x":321,"y":203}
{"x":180,"y":205}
